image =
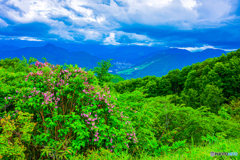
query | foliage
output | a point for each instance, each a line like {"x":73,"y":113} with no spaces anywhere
{"x":68,"y":104}
{"x":102,"y":72}
{"x":77,"y":114}
{"x":191,"y":84}
{"x":15,"y":135}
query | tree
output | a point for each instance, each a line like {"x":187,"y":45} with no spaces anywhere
{"x":190,"y":98}
{"x":117,"y":78}
{"x":173,"y":77}
{"x":212,"y":96}
{"x":102,"y":71}
{"x":151,"y":88}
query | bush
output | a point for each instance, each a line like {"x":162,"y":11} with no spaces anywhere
{"x":73,"y":113}
{"x":15,"y":135}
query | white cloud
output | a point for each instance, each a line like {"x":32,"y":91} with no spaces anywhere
{"x":111,"y":40}
{"x":133,"y":36}
{"x":189,"y":4}
{"x":29,"y":39}
{"x":93,"y":19}
{"x":229,"y":50}
{"x":3,"y":23}
{"x":90,"y":34}
{"x":196,"y":49}
{"x":23,"y":38}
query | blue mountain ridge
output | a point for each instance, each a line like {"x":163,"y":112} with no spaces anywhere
{"x":135,"y":61}
{"x":54,"y":55}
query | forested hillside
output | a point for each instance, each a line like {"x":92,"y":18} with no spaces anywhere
{"x":160,"y":63}
{"x":214,"y":82}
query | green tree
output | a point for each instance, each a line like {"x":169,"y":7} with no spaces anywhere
{"x":151,"y":88}
{"x":173,"y":77}
{"x":102,"y":72}
{"x":190,"y":98}
{"x":212,"y":97}
{"x":117,"y":78}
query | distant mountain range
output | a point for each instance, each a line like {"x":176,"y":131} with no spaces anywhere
{"x":161,"y":62}
{"x":54,"y":55}
{"x":8,"y":48}
{"x":129,"y":61}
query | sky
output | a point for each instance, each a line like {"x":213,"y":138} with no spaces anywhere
{"x":185,"y":24}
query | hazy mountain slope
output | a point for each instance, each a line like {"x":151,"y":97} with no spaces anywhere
{"x":126,"y":53}
{"x":162,"y":63}
{"x":54,"y":55}
{"x":8,"y":47}
{"x":138,"y":60}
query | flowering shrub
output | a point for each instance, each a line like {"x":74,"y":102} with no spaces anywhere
{"x":72,"y":112}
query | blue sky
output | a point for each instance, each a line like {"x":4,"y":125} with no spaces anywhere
{"x":187,"y":24}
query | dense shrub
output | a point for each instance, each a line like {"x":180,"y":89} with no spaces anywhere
{"x":72,"y":112}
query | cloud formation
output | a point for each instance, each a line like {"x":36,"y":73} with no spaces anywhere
{"x":173,"y":23}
